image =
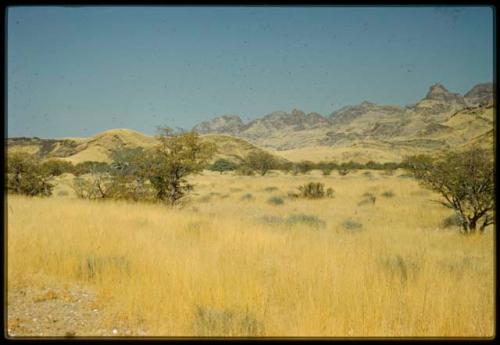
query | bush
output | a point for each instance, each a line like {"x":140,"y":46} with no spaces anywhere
{"x":306,"y":219}
{"x":247,"y":196}
{"x":369,"y":198}
{"x":344,"y":171}
{"x":270,"y":189}
{"x":305,"y":166}
{"x":275,"y":200}
{"x":315,"y":190}
{"x":388,"y":194}
{"x":351,"y":225}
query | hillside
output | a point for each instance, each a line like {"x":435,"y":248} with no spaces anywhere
{"x":100,"y":147}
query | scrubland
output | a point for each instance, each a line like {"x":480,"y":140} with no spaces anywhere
{"x":374,"y":260}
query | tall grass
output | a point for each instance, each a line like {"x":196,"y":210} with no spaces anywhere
{"x":222,"y":271}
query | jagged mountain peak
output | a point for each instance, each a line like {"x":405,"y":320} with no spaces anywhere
{"x":231,"y":124}
{"x":481,"y":94}
{"x":438,"y":92}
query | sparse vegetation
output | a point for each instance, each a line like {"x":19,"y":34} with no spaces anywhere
{"x":219,"y":258}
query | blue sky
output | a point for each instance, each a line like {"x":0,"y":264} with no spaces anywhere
{"x":76,"y":71}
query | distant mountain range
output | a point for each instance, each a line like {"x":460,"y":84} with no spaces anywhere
{"x":363,"y":132}
{"x":431,"y":123}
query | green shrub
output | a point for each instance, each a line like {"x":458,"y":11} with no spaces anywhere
{"x":351,"y":225}
{"x":247,"y":196}
{"x":270,"y":189}
{"x":306,"y":219}
{"x":275,"y":200}
{"x":388,"y":194}
{"x":314,"y":190}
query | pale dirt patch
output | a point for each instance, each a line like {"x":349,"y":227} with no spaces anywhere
{"x":59,"y":310}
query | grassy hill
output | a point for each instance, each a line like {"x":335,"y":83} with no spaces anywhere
{"x":100,"y":147}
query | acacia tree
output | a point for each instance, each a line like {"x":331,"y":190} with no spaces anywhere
{"x":222,"y":165}
{"x":261,"y":161}
{"x":97,"y":185}
{"x":465,"y":180}
{"x":177,"y":156}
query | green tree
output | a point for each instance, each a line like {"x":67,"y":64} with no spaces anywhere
{"x":261,"y":161}
{"x":222,"y":165}
{"x":465,"y":180}
{"x":128,"y":173}
{"x":177,"y":156}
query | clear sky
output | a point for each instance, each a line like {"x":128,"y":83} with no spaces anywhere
{"x":76,"y":71}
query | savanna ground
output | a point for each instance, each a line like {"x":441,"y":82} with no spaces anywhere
{"x":233,"y":263}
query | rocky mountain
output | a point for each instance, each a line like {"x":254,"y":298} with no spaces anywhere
{"x":481,"y":94}
{"x":226,"y":124}
{"x":420,"y":127}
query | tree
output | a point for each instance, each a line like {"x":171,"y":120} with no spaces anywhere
{"x":305,"y":166}
{"x":177,"y":156}
{"x":465,"y":180}
{"x":222,"y":165}
{"x":25,"y":175}
{"x":261,"y":161}
{"x":98,"y":185}
{"x":128,"y":174}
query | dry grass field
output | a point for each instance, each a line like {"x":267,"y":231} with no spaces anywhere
{"x":234,"y":261}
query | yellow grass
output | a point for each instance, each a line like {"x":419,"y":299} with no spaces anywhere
{"x":216,"y":267}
